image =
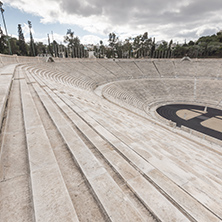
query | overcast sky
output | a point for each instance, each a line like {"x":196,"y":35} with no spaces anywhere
{"x":93,"y":20}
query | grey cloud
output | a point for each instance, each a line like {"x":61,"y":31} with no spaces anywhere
{"x":187,"y":35}
{"x":209,"y":31}
{"x":151,"y":13}
{"x":200,"y":7}
{"x":78,"y":7}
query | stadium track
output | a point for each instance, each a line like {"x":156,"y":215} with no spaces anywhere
{"x":170,"y":112}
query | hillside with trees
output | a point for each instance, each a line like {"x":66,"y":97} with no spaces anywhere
{"x":204,"y":47}
{"x":143,"y":46}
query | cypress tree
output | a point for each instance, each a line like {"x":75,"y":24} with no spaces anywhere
{"x":22,"y":45}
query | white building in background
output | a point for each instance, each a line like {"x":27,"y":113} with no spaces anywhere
{"x":91,"y":55}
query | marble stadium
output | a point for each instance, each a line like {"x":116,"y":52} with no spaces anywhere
{"x":81,"y":140}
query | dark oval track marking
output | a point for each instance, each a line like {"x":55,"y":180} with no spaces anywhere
{"x":170,"y":112}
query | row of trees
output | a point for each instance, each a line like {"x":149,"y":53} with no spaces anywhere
{"x":20,"y":47}
{"x":143,"y":46}
{"x":140,"y":46}
{"x":137,"y":47}
{"x":207,"y":46}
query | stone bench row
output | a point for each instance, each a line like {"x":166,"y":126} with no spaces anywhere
{"x":128,"y":173}
{"x":102,"y":185}
{"x":117,"y":95}
{"x":102,"y":71}
{"x":184,"y":171}
{"x":123,"y":168}
{"x":50,"y":196}
{"x":65,"y":79}
{"x":138,"y":93}
{"x":14,"y":59}
{"x":154,"y":68}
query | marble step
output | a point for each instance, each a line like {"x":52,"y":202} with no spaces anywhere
{"x":51,"y":199}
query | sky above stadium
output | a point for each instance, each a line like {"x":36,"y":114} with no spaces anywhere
{"x":93,"y":20}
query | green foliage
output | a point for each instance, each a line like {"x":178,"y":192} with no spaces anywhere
{"x":32,"y":44}
{"x":74,"y":46}
{"x":3,"y":45}
{"x":191,"y":43}
{"x":113,"y":43}
{"x":102,"y":50}
{"x":113,"y":39}
{"x":21,"y":42}
{"x":40,"y":48}
{"x":163,"y":46}
{"x":14,"y":45}
{"x":127,"y":48}
{"x":140,"y":46}
{"x":143,"y":46}
{"x":204,"y":47}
